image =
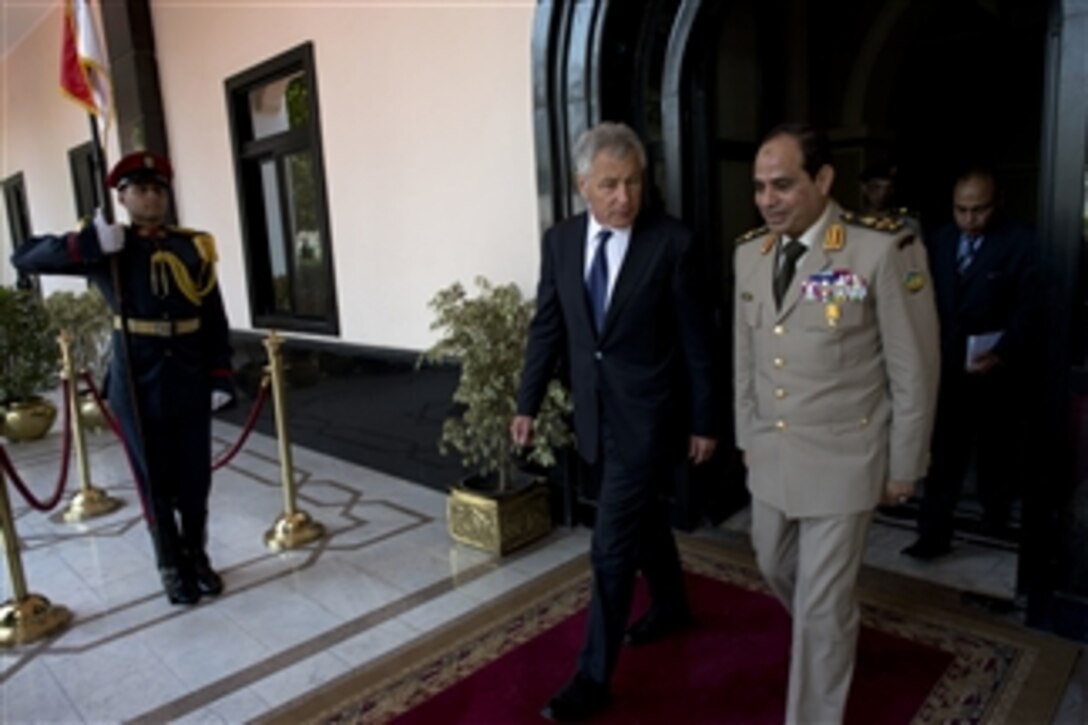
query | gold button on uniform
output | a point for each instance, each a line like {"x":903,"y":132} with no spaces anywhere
{"x":779,"y":363}
{"x":780,"y":393}
{"x":780,"y":425}
{"x":779,"y":330}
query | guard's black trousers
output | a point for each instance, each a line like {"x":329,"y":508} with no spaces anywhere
{"x":175,"y":480}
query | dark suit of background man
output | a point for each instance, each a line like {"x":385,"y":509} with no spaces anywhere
{"x":836,"y":383}
{"x":635,"y":335}
{"x":180,"y":355}
{"x":983,"y":270}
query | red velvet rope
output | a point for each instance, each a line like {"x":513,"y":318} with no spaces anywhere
{"x":66,"y":448}
{"x":251,"y":421}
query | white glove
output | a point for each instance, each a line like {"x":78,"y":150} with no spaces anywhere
{"x":220,"y":399}
{"x":111,"y":237}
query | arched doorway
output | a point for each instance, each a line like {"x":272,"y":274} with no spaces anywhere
{"x":928,"y":84}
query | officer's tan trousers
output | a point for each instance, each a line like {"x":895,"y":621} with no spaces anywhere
{"x":811,"y":564}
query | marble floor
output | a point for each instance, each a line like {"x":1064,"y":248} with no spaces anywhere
{"x":385,"y":574}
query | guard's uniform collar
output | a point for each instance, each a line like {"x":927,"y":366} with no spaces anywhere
{"x":157,"y":231}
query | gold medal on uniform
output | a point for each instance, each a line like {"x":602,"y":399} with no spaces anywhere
{"x":832,"y":312}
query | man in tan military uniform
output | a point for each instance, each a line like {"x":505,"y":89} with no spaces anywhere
{"x":836,"y":385}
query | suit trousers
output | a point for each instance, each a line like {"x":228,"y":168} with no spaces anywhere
{"x":812,"y":564}
{"x":975,"y":415}
{"x":632,"y":533}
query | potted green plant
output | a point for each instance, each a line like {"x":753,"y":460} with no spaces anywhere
{"x":89,"y":320}
{"x":495,"y":509}
{"x":28,"y":365}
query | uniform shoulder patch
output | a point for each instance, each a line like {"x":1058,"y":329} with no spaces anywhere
{"x":880,"y":223}
{"x":753,"y":234}
{"x":914,"y":281}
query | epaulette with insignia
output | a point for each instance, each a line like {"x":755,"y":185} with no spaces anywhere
{"x":752,"y":234}
{"x":871,"y":221}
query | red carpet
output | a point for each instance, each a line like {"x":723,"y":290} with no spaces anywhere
{"x":921,"y":659}
{"x":731,"y":669}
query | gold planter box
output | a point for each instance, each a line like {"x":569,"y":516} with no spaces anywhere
{"x":498,"y":522}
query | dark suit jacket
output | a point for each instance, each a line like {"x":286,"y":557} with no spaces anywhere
{"x":649,"y":374}
{"x":996,"y":293}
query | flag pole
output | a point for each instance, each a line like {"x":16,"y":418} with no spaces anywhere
{"x":98,"y":156}
{"x":98,"y":160}
{"x":85,"y":78}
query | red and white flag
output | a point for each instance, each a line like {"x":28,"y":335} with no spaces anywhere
{"x":84,"y":74}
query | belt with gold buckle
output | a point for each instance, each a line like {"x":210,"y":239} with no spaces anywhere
{"x":159,"y":328}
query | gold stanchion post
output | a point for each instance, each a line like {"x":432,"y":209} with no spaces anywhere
{"x":89,"y":501}
{"x":24,"y":618}
{"x":293,"y":528}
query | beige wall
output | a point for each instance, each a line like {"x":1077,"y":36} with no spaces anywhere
{"x":427,"y":130}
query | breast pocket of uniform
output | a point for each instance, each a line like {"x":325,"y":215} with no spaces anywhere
{"x":827,"y":327}
{"x":833,"y":318}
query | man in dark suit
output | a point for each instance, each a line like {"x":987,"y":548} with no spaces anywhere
{"x":618,"y":296}
{"x":983,"y":272}
{"x":160,"y":282}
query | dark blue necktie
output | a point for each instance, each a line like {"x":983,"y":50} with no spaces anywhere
{"x":967,"y":251}
{"x":597,"y":280}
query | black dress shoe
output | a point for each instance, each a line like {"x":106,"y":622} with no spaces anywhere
{"x":651,"y":628}
{"x":927,"y":549}
{"x":179,"y":587}
{"x":207,"y":580}
{"x":580,"y":699}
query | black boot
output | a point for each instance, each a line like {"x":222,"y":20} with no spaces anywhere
{"x":193,"y":526}
{"x":179,"y":586}
{"x":177,"y":579}
{"x":207,"y":579}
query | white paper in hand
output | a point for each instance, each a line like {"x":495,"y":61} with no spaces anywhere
{"x":980,"y":345}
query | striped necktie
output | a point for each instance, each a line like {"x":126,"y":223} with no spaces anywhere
{"x":967,"y":251}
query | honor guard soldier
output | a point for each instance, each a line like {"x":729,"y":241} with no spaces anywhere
{"x":160,"y":282}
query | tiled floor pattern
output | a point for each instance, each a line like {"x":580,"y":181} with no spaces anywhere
{"x":385,"y":574}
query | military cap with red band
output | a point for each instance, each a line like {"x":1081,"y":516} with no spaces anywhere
{"x":140,"y":167}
